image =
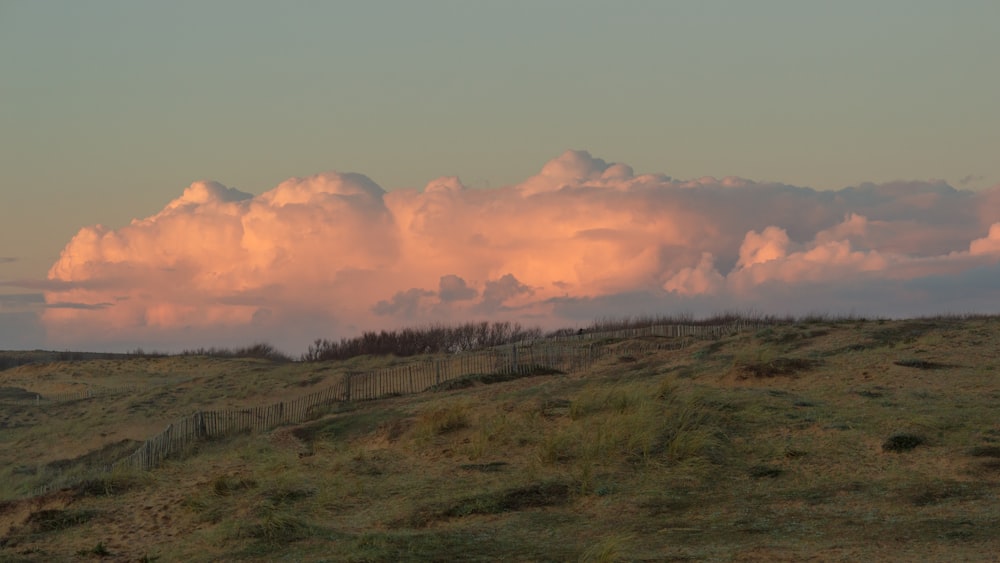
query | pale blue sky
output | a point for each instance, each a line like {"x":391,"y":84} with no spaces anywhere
{"x":108,"y":110}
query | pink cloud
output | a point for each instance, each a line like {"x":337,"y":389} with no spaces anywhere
{"x":766,"y":246}
{"x":990,"y":244}
{"x":330,"y":254}
{"x":700,"y":279}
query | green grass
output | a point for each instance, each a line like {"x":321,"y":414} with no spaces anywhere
{"x":673,"y":455}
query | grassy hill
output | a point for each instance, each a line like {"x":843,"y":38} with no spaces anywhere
{"x":834,"y":440}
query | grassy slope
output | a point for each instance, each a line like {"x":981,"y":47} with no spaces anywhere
{"x":765,"y":446}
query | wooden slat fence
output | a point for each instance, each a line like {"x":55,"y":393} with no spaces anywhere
{"x":666,"y":331}
{"x":89,"y":393}
{"x":563,"y":354}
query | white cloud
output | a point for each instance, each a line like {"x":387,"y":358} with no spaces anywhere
{"x":334,"y":253}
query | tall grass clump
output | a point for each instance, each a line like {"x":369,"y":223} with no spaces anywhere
{"x":614,"y":428}
{"x":501,"y":430}
{"x":607,"y":550}
{"x":441,"y":420}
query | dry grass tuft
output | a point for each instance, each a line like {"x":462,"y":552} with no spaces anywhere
{"x":607,"y":550}
{"x":442,"y":420}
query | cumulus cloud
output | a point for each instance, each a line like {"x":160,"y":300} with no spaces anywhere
{"x":766,"y":246}
{"x":332,"y":254}
{"x":700,"y":279}
{"x":498,"y":293}
{"x":454,"y":288}
{"x":990,"y":244}
{"x":404,"y":303}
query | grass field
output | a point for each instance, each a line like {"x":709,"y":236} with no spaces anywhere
{"x":826,"y":440}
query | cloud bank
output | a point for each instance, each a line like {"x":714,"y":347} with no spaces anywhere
{"x":333,"y":254}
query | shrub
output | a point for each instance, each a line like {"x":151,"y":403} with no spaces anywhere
{"x":433,"y":339}
{"x":775,"y":367}
{"x":260,"y":350}
{"x":920,"y":364}
{"x":99,"y":550}
{"x":985,"y":451}
{"x":765,"y":471}
{"x":902,"y":442}
{"x":275,"y":526}
{"x":54,"y":520}
{"x":226,"y":485}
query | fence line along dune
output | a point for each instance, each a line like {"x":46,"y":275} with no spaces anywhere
{"x":562,"y":353}
{"x":83,"y":394}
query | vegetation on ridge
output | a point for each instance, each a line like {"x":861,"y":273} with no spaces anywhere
{"x":829,"y":438}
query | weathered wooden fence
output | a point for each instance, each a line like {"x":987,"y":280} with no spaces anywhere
{"x":667,"y":331}
{"x":565,"y":354}
{"x":88,"y":393}
{"x":398,"y":380}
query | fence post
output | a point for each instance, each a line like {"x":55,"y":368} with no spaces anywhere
{"x":199,"y":425}
{"x":347,"y":382}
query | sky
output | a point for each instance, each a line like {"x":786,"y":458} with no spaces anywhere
{"x":187,"y":174}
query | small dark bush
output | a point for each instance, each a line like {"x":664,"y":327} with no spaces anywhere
{"x":16,"y":394}
{"x":991,"y":466}
{"x":765,"y":471}
{"x":275,"y":527}
{"x":105,"y":486}
{"x":286,"y":495}
{"x":55,"y":520}
{"x":709,"y":350}
{"x":99,"y":550}
{"x":985,"y":451}
{"x":937,"y":492}
{"x":532,"y":496}
{"x":510,"y":500}
{"x":490,"y":378}
{"x":552,"y":408}
{"x":453,"y":384}
{"x":490,"y":467}
{"x":311,"y":381}
{"x":920,"y":364}
{"x":776,"y":367}
{"x":774,"y":337}
{"x":107,"y":454}
{"x":227,"y":485}
{"x":902,"y":442}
